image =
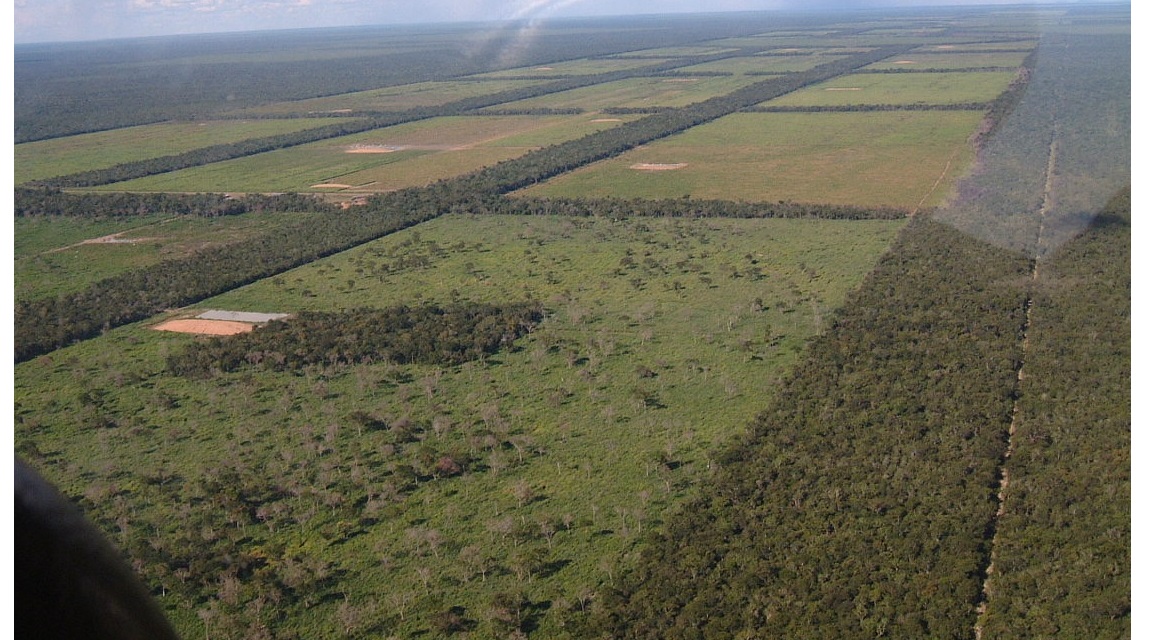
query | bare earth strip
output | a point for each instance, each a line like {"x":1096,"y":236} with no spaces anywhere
{"x":647,"y":166}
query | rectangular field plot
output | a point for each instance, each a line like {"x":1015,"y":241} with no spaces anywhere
{"x":638,"y":92}
{"x":945,"y":60}
{"x":901,"y":159}
{"x":64,"y":255}
{"x":62,"y":156}
{"x":408,"y":96}
{"x":762,"y":64}
{"x":900,"y":88}
{"x":379,"y":160}
{"x":670,"y":52}
{"x":981,"y":47}
{"x":574,"y":68}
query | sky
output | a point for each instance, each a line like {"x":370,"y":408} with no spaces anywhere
{"x":65,"y":20}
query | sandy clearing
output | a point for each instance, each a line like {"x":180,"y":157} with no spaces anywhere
{"x":905,"y":62}
{"x":205,"y":327}
{"x":649,"y":166}
{"x":844,"y":88}
{"x":374,"y":148}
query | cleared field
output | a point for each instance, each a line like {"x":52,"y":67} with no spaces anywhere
{"x":581,"y":67}
{"x":671,"y":52}
{"x":406,"y":155}
{"x":893,"y":88}
{"x":62,"y":156}
{"x":408,"y":96}
{"x":762,"y":64}
{"x":626,"y":367}
{"x":889,"y":158}
{"x":639,"y":92}
{"x":63,"y":255}
{"x":925,"y":60}
{"x":1021,"y":45}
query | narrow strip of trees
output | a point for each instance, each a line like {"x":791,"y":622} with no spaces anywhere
{"x":425,"y":334}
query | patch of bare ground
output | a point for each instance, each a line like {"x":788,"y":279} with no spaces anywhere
{"x":607,"y":120}
{"x":648,"y":166}
{"x":205,"y":327}
{"x":844,"y":88}
{"x":330,"y":185}
{"x":374,"y":148}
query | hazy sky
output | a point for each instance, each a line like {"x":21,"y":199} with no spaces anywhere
{"x":49,"y":20}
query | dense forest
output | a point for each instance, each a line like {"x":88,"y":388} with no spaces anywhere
{"x":1062,"y":564}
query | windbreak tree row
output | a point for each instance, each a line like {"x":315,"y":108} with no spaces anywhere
{"x":32,"y":202}
{"x":426,"y":335}
{"x":858,"y":505}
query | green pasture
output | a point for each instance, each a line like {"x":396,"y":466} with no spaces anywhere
{"x":638,"y":92}
{"x":581,"y":67}
{"x":902,"y":159}
{"x":1023,"y":46}
{"x":55,"y":255}
{"x":900,"y":88}
{"x":72,"y":154}
{"x":671,"y":52}
{"x":663,"y":338}
{"x":762,"y":64}
{"x":399,"y":98}
{"x":374,"y":160}
{"x":945,"y":60}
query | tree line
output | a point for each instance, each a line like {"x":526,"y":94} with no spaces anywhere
{"x":426,"y":334}
{"x":47,"y":201}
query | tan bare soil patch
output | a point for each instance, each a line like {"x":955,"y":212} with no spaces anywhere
{"x":905,"y":62}
{"x":374,"y":148}
{"x":205,"y":327}
{"x":844,"y":88}
{"x":648,"y":166}
{"x":607,"y":120}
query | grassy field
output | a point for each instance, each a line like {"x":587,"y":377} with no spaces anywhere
{"x":406,"y":155}
{"x":934,"y":60}
{"x":72,"y":154}
{"x":908,"y":88}
{"x":51,"y":256}
{"x":638,"y":92}
{"x":574,"y":67}
{"x":408,"y":96}
{"x":888,"y":158}
{"x":763,"y":64}
{"x":663,"y":338}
